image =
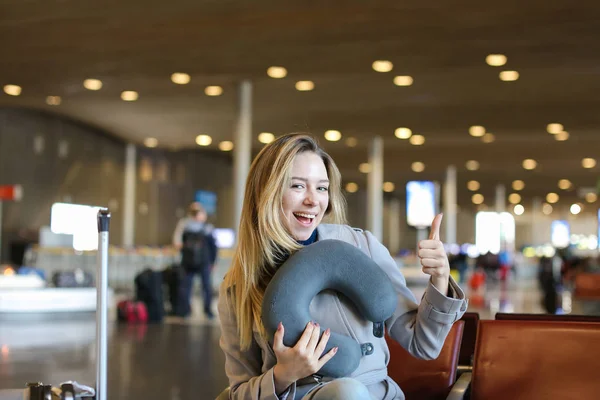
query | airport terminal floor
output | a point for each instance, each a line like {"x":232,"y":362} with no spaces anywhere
{"x":179,"y":359}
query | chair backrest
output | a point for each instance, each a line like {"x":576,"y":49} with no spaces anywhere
{"x":547,"y":317}
{"x":426,"y":379}
{"x":536,"y":360}
{"x":467,"y":347}
{"x":587,"y":286}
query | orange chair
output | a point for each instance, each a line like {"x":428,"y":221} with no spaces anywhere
{"x":467,"y":347}
{"x":533,"y":360}
{"x":426,"y":379}
{"x":587,"y":286}
{"x":546,"y":317}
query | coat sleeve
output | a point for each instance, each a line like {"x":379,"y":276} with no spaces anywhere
{"x":421,"y":328}
{"x":243,"y":368}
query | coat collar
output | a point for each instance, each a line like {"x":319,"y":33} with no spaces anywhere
{"x":336,"y":231}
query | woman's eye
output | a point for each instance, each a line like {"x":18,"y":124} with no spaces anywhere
{"x":297,"y":186}
{"x":323,"y":189}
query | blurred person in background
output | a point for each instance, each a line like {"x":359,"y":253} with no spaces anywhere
{"x":550,"y":280}
{"x":459,"y":263}
{"x":193,"y":236}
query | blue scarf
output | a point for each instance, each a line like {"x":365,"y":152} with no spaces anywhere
{"x":310,"y":240}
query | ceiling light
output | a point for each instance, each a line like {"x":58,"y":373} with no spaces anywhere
{"x":562,"y":136}
{"x":417,"y":166}
{"x":588,"y":163}
{"x":351,"y":142}
{"x":305,"y":86}
{"x":472,"y":165}
{"x":575,"y":209}
{"x":12,"y":90}
{"x":333,"y":136}
{"x":213,"y":91}
{"x":473,"y":186}
{"x":519,"y":209}
{"x":365,"y":168}
{"x":277,"y":72}
{"x":403,"y":133}
{"x":92,"y":84}
{"x":477,"y":131}
{"x":417,"y":140}
{"x":591,"y":197}
{"x":266,"y":137}
{"x":403,"y":80}
{"x":518,"y":185}
{"x":552,"y":198}
{"x":382,"y":65}
{"x":509,"y":76}
{"x":564,"y":184}
{"x":129,"y":95}
{"x":555,"y":128}
{"x":529,"y":164}
{"x":203,"y":140}
{"x":351,"y":187}
{"x":389,"y":187}
{"x":477,"y":198}
{"x":150,"y":142}
{"x":547,"y":209}
{"x":488,"y":138}
{"x":514,"y":198}
{"x":53,"y":100}
{"x":496,"y":60}
{"x":180,"y":78}
{"x":226,"y":145}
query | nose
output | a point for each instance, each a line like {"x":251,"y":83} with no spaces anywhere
{"x":310,"y":198}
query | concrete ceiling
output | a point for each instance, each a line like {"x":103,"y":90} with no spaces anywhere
{"x":50,"y":48}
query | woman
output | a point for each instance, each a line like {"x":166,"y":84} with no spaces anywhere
{"x":292,"y":185}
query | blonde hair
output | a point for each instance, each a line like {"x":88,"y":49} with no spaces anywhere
{"x":263,"y":238}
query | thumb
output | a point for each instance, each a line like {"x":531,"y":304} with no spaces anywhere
{"x":278,"y":338}
{"x":434,"y":234}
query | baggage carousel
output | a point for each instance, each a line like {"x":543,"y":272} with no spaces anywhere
{"x":29,"y":294}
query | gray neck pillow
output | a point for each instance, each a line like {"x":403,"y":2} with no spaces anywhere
{"x":338,"y":266}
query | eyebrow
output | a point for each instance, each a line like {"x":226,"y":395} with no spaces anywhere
{"x":306,"y":180}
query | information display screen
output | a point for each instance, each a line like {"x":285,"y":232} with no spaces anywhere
{"x":420,"y":203}
{"x":560,"y":233}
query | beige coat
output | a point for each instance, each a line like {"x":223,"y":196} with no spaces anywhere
{"x":419,"y":328}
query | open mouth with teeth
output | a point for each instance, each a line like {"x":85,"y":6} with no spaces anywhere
{"x":305,"y":218}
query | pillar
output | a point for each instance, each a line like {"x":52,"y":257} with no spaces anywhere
{"x":449,"y":220}
{"x":129,"y":196}
{"x":375,"y":188}
{"x":500,"y":198}
{"x":242,"y":151}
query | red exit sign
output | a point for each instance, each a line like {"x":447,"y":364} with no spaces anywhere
{"x":11,"y":192}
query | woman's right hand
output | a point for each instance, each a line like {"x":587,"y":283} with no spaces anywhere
{"x":303,"y":359}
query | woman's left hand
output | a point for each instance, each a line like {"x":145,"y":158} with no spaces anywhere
{"x":434,"y":259}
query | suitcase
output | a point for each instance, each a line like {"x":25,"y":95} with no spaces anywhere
{"x":24,"y":270}
{"x":73,"y":279}
{"x":72,"y":390}
{"x":149,"y":290}
{"x":173,"y":278}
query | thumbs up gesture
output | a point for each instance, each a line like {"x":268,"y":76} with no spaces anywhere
{"x":433,"y":257}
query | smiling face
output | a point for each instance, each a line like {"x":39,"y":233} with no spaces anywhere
{"x":306,"y":198}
